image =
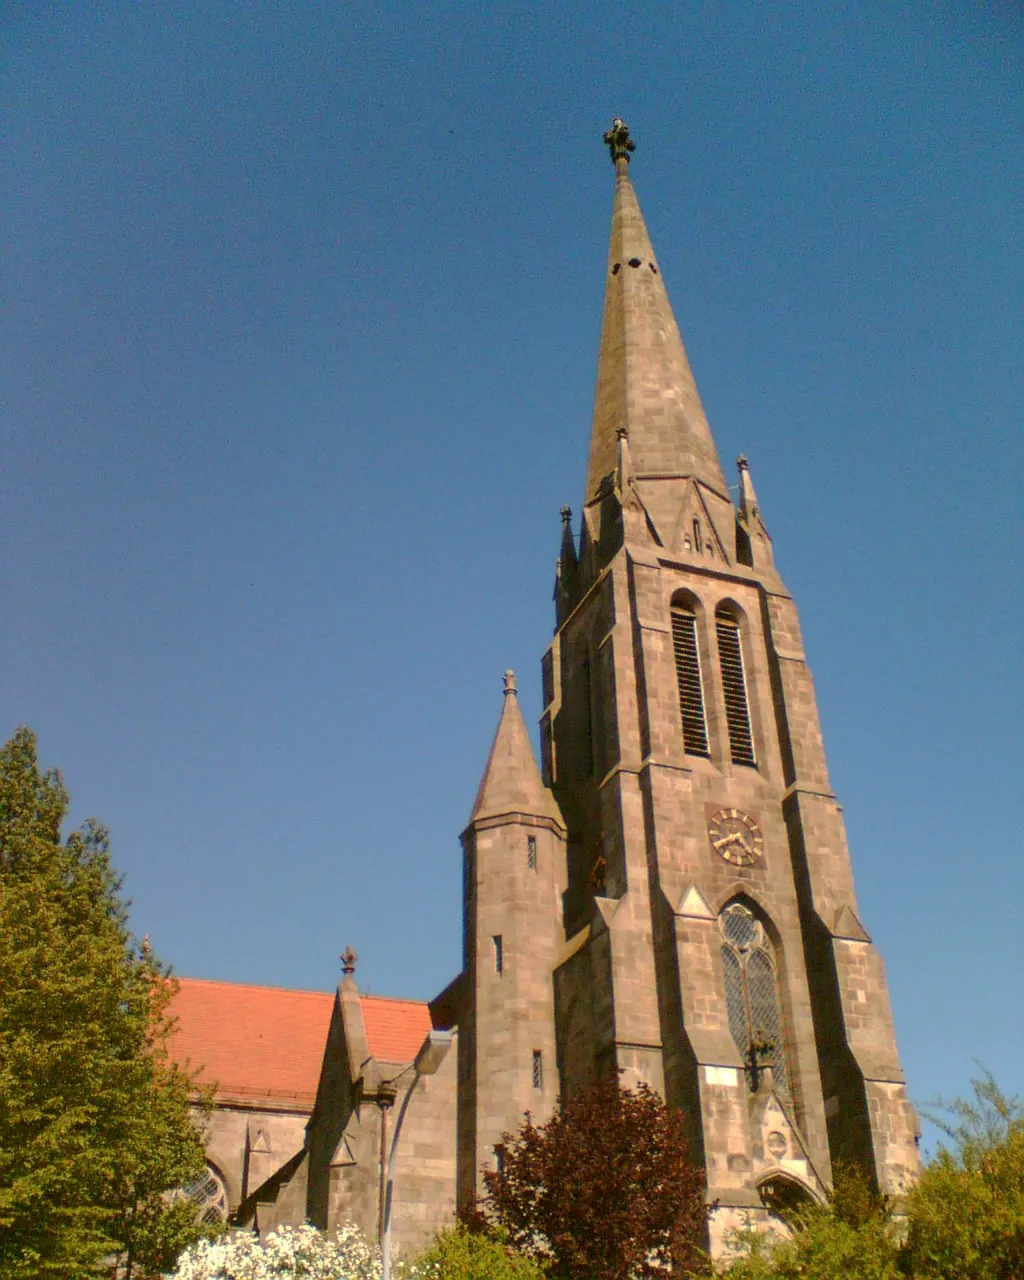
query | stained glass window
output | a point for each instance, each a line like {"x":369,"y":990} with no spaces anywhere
{"x":752,"y":992}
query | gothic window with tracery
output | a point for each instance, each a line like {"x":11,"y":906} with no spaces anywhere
{"x":210,"y":1196}
{"x":752,"y":994}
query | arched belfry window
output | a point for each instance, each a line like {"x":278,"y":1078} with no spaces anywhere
{"x":734,"y":688}
{"x":752,"y":994}
{"x":691,"y":691}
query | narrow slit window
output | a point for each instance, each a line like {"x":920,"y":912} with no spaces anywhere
{"x":538,"y":1069}
{"x":499,"y":954}
{"x":691,"y":693}
{"x":531,"y":852}
{"x":734,"y":688}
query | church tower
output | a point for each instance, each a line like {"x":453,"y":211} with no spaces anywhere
{"x":513,"y":875}
{"x":712,"y":943}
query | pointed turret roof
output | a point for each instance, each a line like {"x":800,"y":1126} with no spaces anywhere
{"x":512,"y":781}
{"x":644,"y":381}
{"x":749,"y":509}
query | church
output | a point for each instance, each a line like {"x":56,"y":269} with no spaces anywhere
{"x":667,"y":893}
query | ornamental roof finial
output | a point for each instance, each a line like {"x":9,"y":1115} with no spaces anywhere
{"x":618,"y":141}
{"x":510,"y":682}
{"x":348,"y":962}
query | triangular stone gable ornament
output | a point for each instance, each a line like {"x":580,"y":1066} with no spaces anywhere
{"x":693,"y":904}
{"x":259,"y":1142}
{"x":342,"y":1157}
{"x":848,"y":926}
{"x":781,"y":1141}
{"x":638,"y":527}
{"x":682,"y":536}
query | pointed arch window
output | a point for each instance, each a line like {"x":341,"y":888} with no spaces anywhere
{"x":752,"y":993}
{"x":209,"y":1195}
{"x":688,"y":677}
{"x":734,"y":688}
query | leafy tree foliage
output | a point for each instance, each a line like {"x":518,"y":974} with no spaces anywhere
{"x":962,"y":1220}
{"x":94,"y":1119}
{"x":604,"y":1190}
{"x":461,"y":1254}
{"x":850,"y":1238}
{"x":966,"y":1212}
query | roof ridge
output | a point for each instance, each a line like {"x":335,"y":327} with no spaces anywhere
{"x":393,"y":999}
{"x":250,"y":986}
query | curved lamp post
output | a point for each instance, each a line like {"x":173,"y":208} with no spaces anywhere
{"x":431,"y":1054}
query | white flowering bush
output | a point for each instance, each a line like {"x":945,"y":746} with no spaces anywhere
{"x":286,"y":1254}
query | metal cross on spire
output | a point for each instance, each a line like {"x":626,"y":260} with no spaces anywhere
{"x":618,"y":141}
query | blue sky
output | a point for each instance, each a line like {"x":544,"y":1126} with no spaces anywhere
{"x":301,"y":317}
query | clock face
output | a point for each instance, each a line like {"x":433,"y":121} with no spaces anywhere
{"x":736,"y":837}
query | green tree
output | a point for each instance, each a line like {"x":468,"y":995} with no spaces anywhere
{"x":851,"y":1237}
{"x":966,"y":1211}
{"x":95,"y":1126}
{"x":461,"y":1254}
{"x":604,"y":1190}
{"x":962,"y":1220}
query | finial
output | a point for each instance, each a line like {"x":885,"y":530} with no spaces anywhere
{"x":622,"y":433}
{"x":566,"y":514}
{"x":348,"y":961}
{"x":742,"y":463}
{"x":146,"y":949}
{"x":618,"y":141}
{"x":510,"y":683}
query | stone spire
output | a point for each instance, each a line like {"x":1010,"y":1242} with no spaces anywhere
{"x":567,"y":551}
{"x":749,"y":510}
{"x":751,"y":526}
{"x":644,"y":382}
{"x":512,"y":781}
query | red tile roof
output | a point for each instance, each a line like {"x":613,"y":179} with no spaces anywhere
{"x":395,"y":1029}
{"x":252,"y":1042}
{"x":267,"y":1043}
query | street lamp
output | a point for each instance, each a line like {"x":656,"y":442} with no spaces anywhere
{"x":431,"y":1054}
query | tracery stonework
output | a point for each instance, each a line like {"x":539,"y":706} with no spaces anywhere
{"x":671,"y":898}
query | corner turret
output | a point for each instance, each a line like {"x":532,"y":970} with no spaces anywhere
{"x":513,"y":875}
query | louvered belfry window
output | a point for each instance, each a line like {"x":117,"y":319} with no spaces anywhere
{"x":734,"y":687}
{"x":752,"y":992}
{"x":691,"y":694}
